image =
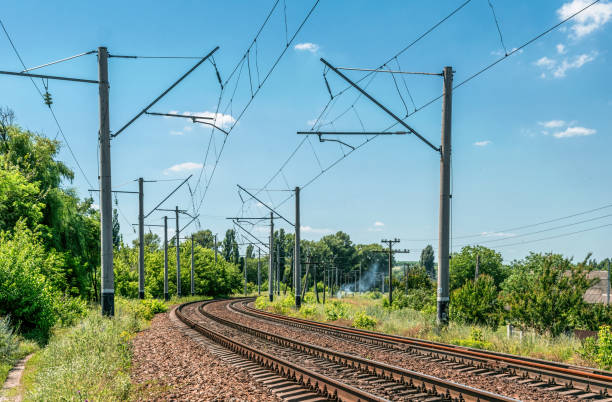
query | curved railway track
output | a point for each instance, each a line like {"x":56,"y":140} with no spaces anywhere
{"x":331,"y":374}
{"x":576,"y":382}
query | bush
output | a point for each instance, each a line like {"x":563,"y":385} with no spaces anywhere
{"x":477,"y":303}
{"x":476,"y":340}
{"x":308,"y":310}
{"x":8,"y":342}
{"x":335,"y":310}
{"x":25,"y":293}
{"x":416,"y":299}
{"x":149,"y":307}
{"x":364,"y":321}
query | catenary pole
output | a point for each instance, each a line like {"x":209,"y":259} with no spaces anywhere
{"x":178,"y":254}
{"x":258,"y":271}
{"x":245,"y":274}
{"x":271,"y":259}
{"x":278,"y":278}
{"x":608,"y":298}
{"x":192,"y":284}
{"x":166,"y":297}
{"x":106,"y":206}
{"x":445,"y":195}
{"x":215,"y":249}
{"x":141,"y":279}
{"x":297,"y":272}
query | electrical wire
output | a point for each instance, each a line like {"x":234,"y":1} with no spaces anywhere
{"x":553,"y":237}
{"x":471,"y":77}
{"x":50,"y":108}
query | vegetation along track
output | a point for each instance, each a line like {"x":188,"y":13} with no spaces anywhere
{"x":579,"y":383}
{"x":332,"y":374}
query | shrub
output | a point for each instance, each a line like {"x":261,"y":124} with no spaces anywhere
{"x":476,"y":302}
{"x":335,"y":310}
{"x":8,"y":342}
{"x":149,"y":307}
{"x":476,"y":340}
{"x":416,"y":299}
{"x":308,"y":310}
{"x":25,"y":293}
{"x":604,"y":347}
{"x":364,"y":321}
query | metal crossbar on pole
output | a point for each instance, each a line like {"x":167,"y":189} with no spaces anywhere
{"x":168,"y":196}
{"x":264,"y":204}
{"x":165,"y":92}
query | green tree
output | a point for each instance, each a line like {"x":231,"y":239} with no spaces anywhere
{"x":476,"y":302}
{"x":545,"y":292}
{"x":204,"y":238}
{"x":463,"y":266}
{"x":427,"y":260}
{"x":230,"y":247}
{"x":116,"y":230}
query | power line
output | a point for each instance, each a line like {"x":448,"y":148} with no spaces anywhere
{"x":254,"y":94}
{"x":431,"y":101}
{"x":523,"y":226}
{"x":554,"y":237}
{"x":50,"y":108}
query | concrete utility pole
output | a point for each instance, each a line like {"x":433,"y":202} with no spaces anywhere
{"x":178,"y":255}
{"x":445,"y":195}
{"x":106,"y":203}
{"x":324,"y":283}
{"x":245,"y":274}
{"x":215,"y":249}
{"x":271,"y":259}
{"x":391,"y":251}
{"x":141,"y":279}
{"x":477,"y":267}
{"x":359,"y":283}
{"x":192,"y":284}
{"x":166,"y":259}
{"x":258,"y":271}
{"x":278,"y":278}
{"x":298,"y":268}
{"x":608,"y":299}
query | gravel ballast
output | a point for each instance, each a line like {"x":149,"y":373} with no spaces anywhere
{"x":169,"y":365}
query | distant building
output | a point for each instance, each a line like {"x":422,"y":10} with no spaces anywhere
{"x":598,"y":293}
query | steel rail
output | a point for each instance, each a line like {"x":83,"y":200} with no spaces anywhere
{"x":321,"y":384}
{"x":600,"y":380}
{"x":431,"y":385}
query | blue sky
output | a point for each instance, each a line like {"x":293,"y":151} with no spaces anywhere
{"x":531,"y":136}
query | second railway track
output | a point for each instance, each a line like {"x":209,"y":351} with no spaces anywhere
{"x":566,"y":381}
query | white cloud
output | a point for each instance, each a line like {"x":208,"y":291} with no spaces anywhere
{"x":379,"y":223}
{"x":174,"y":132}
{"x":220,"y":119}
{"x":552,"y":123}
{"x":187,"y":128}
{"x":307,"y":46}
{"x":95,"y":206}
{"x":497,"y":234}
{"x":578,"y":62}
{"x":183,"y":167}
{"x":311,"y":122}
{"x":559,"y":69}
{"x":561,"y":48}
{"x":545,"y":62}
{"x":171,"y":112}
{"x":482,"y":143}
{"x":575,"y":131}
{"x":309,"y":229}
{"x":587,"y":21}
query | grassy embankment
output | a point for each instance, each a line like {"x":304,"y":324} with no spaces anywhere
{"x":90,"y":360}
{"x":362,"y":311}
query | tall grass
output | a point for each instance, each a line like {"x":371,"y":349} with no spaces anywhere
{"x":91,"y":360}
{"x":422,"y":325}
{"x":12,"y":348}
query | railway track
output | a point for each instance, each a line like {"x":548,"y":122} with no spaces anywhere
{"x":571,"y":381}
{"x":331,"y":374}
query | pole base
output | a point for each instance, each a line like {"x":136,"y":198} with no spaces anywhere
{"x":271,"y":297}
{"x":166,"y":297}
{"x":442,"y":312}
{"x":108,"y":304}
{"x":298,"y":301}
{"x":141,"y":295}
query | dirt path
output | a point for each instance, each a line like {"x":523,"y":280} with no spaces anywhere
{"x":10,"y":389}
